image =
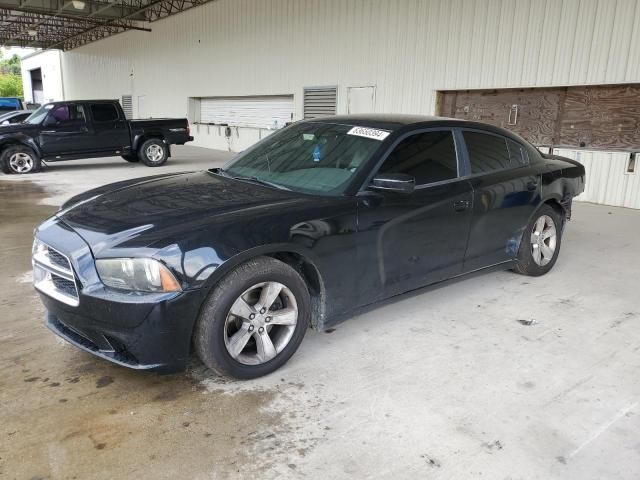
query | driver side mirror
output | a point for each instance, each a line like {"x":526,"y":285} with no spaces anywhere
{"x":394,"y":182}
{"x":6,"y":122}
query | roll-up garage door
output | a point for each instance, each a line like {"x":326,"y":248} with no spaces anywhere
{"x":256,"y":112}
{"x":319,"y":102}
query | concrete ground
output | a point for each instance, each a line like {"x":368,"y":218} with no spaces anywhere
{"x":497,"y":377}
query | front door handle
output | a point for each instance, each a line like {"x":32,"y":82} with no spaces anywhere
{"x":532,"y":185}
{"x":461,"y":205}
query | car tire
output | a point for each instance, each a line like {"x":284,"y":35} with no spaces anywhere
{"x":19,"y":159}
{"x":153,"y":152}
{"x":131,"y":157}
{"x":219,"y":332}
{"x":540,"y":244}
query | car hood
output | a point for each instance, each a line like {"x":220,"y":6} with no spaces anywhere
{"x":17,"y":128}
{"x":144,"y":212}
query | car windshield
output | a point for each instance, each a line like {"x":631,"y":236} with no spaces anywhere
{"x":320,"y":158}
{"x":38,"y":116}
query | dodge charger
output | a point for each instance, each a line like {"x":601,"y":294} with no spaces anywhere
{"x":319,"y":220}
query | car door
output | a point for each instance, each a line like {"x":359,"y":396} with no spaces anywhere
{"x":506,"y":193}
{"x":65,"y":131}
{"x":411,"y":240}
{"x":110,"y":128}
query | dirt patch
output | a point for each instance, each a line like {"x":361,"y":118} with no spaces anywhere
{"x":76,"y":416}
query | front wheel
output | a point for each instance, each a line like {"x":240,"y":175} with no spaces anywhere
{"x":254,"y":320}
{"x":540,"y":243}
{"x":19,"y":159}
{"x":153,"y":152}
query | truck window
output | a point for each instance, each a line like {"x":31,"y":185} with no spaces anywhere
{"x":66,"y":115}
{"x":104,"y":112}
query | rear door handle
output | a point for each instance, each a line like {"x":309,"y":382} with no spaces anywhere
{"x":531,"y":186}
{"x":461,"y":205}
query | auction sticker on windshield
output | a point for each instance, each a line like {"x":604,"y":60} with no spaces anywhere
{"x":373,"y":133}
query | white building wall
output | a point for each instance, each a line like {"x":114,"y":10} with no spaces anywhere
{"x":406,"y":49}
{"x":49,"y":62}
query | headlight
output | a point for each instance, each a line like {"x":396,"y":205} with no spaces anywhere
{"x":37,"y":247}
{"x":141,"y":274}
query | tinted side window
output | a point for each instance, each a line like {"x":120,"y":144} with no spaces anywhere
{"x":104,"y":112}
{"x":429,"y":157}
{"x":66,"y":115}
{"x":487,"y":153}
{"x":517,"y":154}
{"x":19,"y":118}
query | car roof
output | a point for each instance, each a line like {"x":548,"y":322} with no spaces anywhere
{"x":386,"y":121}
{"x":393,"y":122}
{"x":67,"y":102}
{"x":14,"y":113}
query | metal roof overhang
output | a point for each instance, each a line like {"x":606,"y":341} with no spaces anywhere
{"x":68,"y":24}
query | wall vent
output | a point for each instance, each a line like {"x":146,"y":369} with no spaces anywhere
{"x":320,"y":102}
{"x":127,"y":106}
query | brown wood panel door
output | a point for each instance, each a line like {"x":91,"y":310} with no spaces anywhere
{"x":595,"y":117}
{"x":601,"y":117}
{"x":531,"y":113}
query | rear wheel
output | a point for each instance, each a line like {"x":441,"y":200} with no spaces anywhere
{"x":540,"y":243}
{"x":254,"y":320}
{"x":131,"y":157}
{"x":153,"y":152}
{"x":19,"y":159}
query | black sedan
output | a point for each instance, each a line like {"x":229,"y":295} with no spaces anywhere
{"x":17,"y":116}
{"x":315,"y":222}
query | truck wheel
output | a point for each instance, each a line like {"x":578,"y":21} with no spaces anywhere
{"x":540,"y":244}
{"x":153,"y":152}
{"x":254,"y":320}
{"x":19,"y":159}
{"x":131,"y":157}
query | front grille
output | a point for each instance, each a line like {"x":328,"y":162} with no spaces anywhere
{"x":66,"y":286}
{"x":57,"y":258}
{"x":53,"y":275}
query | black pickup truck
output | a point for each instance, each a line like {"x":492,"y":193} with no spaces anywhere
{"x":87,"y":129}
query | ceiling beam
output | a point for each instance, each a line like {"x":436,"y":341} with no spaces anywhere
{"x":57,"y":25}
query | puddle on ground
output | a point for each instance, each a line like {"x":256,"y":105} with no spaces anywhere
{"x":67,"y":414}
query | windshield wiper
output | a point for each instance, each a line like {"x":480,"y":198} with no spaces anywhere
{"x":261,"y":181}
{"x":224,"y":173}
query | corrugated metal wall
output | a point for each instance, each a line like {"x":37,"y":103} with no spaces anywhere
{"x":407,"y":49}
{"x":49,"y":62}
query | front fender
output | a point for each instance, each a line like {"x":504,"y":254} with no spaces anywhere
{"x":20,"y":139}
{"x":224,"y":268}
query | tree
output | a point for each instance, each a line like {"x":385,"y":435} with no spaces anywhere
{"x":10,"y":66}
{"x":10,"y":86}
{"x":10,"y":76}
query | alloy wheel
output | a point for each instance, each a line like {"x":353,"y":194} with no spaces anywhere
{"x":154,"y":153}
{"x":544,"y":239}
{"x":260,"y":323}
{"x":21,"y":162}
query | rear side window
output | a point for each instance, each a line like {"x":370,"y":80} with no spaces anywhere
{"x":104,"y":112}
{"x":487,"y":153}
{"x":429,"y":157}
{"x":517,"y":154}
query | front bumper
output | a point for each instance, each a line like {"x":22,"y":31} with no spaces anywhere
{"x":160,"y":341}
{"x":147,"y":331}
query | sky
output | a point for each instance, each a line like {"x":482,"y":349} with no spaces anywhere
{"x":21,"y":52}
